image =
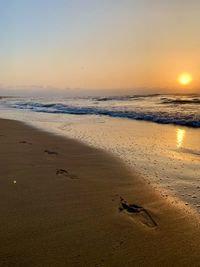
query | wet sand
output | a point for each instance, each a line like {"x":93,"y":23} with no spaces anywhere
{"x":66,"y":204}
{"x":167,"y":156}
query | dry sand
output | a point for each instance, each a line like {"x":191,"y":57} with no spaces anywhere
{"x":66,"y":204}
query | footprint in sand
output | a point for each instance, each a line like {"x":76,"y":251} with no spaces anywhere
{"x":137,"y":213}
{"x":50,"y":152}
{"x":25,"y":142}
{"x":65,"y":173}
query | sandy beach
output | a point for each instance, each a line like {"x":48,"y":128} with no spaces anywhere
{"x":66,"y":204}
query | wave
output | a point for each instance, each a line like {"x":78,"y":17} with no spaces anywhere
{"x":163,"y":117}
{"x":124,"y":98}
{"x":180,"y":101}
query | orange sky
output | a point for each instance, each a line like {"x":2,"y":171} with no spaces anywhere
{"x":100,"y":44}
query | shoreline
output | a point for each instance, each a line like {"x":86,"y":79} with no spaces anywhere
{"x":61,"y":206}
{"x":167,"y":156}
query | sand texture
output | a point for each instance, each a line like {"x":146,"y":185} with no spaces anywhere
{"x":63,"y":203}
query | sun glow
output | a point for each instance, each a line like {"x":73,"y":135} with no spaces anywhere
{"x":185,"y":78}
{"x":180,"y":135}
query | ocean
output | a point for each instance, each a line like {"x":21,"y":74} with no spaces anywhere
{"x":165,"y":109}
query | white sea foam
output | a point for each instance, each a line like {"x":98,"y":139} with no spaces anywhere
{"x":164,"y":109}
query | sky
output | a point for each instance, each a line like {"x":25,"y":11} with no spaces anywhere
{"x":99,"y":44}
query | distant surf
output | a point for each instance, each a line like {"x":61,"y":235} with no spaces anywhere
{"x":165,"y":109}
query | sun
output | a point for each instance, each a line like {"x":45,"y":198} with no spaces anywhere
{"x":185,"y":78}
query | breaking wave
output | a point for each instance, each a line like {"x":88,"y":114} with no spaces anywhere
{"x":154,"y":108}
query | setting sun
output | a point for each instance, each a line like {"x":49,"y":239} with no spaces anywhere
{"x":185,"y":78}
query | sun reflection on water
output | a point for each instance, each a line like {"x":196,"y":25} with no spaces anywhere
{"x":180,"y":135}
